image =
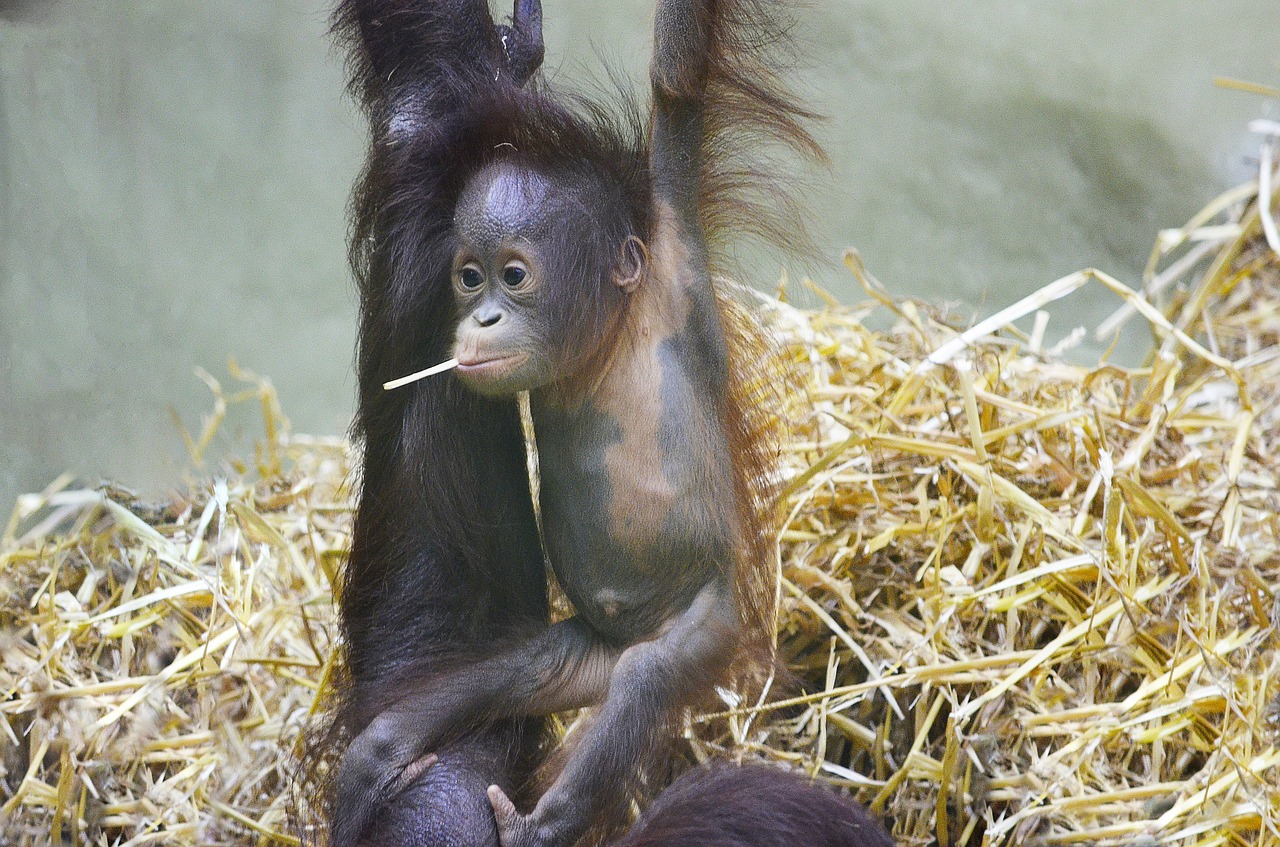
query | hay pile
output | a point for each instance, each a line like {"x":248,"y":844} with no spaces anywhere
{"x":1027,"y":602}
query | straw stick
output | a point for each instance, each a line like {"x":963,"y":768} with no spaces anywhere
{"x":422,"y":374}
{"x":1023,"y":600}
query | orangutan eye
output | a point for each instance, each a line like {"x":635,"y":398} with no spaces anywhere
{"x":470,"y":278}
{"x":513,"y":275}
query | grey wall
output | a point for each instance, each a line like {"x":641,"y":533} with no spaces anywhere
{"x":174,"y":182}
{"x":174,"y":177}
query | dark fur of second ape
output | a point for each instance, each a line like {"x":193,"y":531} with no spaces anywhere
{"x":753,"y":806}
{"x":580,"y":253}
{"x":445,"y":566}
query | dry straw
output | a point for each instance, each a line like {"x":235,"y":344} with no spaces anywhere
{"x":1023,"y":601}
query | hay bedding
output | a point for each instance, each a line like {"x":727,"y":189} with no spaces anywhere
{"x":1027,"y":602}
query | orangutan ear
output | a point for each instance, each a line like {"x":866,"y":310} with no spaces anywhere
{"x":633,"y":262}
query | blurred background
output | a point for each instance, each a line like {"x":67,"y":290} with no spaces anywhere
{"x":174,"y":177}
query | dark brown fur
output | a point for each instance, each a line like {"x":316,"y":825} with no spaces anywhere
{"x":753,"y":806}
{"x":445,"y":563}
{"x":444,"y":572}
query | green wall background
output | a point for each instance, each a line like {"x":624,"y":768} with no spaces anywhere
{"x":173,"y":179}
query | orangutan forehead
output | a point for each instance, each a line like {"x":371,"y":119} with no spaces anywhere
{"x":501,"y":203}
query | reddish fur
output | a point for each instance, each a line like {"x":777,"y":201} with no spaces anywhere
{"x":749,"y":116}
{"x":431,"y":583}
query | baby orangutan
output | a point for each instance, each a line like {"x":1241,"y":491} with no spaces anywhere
{"x":581,"y":274}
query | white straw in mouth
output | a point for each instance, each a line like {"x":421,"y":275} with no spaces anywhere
{"x":431,"y":371}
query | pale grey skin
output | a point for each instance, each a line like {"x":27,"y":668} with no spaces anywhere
{"x":638,"y":495}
